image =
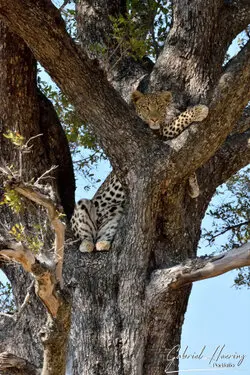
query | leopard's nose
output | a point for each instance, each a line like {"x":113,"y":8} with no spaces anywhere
{"x":154,"y":120}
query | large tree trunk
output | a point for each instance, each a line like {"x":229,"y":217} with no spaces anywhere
{"x":123,"y":322}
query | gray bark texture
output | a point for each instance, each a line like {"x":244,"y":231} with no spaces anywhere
{"x":116,"y":329}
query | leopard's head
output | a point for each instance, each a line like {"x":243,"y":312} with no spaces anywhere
{"x":152,"y":107}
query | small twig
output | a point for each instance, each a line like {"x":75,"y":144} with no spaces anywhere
{"x":10,"y":316}
{"x":17,"y":315}
{"x":230,"y":227}
{"x":20,"y":163}
{"x":45,"y":173}
{"x":6,"y":171}
{"x":64,"y":5}
{"x":115,"y":50}
{"x":25,"y":301}
{"x":24,"y":149}
{"x":31,"y":138}
{"x":247,"y":31}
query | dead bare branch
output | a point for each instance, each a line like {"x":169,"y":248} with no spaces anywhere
{"x":197,"y":269}
{"x":45,"y":174}
{"x":58,"y":226}
{"x":45,"y":282}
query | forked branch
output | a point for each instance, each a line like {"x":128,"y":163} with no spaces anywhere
{"x":59,"y":228}
{"x":45,"y":282}
{"x":55,"y":299}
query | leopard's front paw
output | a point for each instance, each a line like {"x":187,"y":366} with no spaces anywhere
{"x":103,"y":245}
{"x":200,"y":112}
{"x":86,"y":246}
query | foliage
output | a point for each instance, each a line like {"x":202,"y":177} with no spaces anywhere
{"x":32,"y":241}
{"x":129,"y":37}
{"x":152,"y":18}
{"x":243,"y":278}
{"x":15,"y":138}
{"x":231,"y":218}
{"x":7,"y":304}
{"x":232,"y":215}
{"x":78,"y":134}
{"x":13,"y":200}
{"x":139,"y":32}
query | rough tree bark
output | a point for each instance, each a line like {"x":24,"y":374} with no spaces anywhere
{"x":128,"y":305}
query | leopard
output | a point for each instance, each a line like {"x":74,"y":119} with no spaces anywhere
{"x":95,"y":221}
{"x":159,"y":113}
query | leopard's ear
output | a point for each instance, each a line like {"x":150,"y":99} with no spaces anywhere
{"x":167,"y":96}
{"x":136,"y":95}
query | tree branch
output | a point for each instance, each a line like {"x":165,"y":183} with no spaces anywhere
{"x":233,"y":155}
{"x":229,"y":99}
{"x":111,"y":119}
{"x":115,"y":124}
{"x":195,"y":270}
{"x":55,"y":334}
{"x":244,"y":122}
{"x":238,"y":15}
{"x":45,"y":282}
{"x":229,"y":227}
{"x":57,"y":149}
{"x":95,"y":29}
{"x":59,"y":228}
{"x":191,"y":55}
{"x":55,"y":300}
{"x":10,"y":364}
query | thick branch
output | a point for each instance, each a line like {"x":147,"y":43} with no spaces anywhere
{"x":10,"y":364}
{"x":44,"y":277}
{"x":57,"y":149}
{"x":41,"y":26}
{"x":244,"y":122}
{"x":229,"y":99}
{"x":23,"y":117}
{"x":192,"y":54}
{"x":95,"y":29}
{"x":238,"y":15}
{"x":55,"y":333}
{"x":197,"y":269}
{"x":233,"y":155}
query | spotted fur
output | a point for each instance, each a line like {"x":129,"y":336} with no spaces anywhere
{"x":154,"y":109}
{"x":157,"y":110}
{"x":95,"y":221}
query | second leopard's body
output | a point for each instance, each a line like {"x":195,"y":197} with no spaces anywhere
{"x":95,"y":221}
{"x":157,"y":110}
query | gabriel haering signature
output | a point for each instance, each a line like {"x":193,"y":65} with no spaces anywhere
{"x":217,"y":357}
